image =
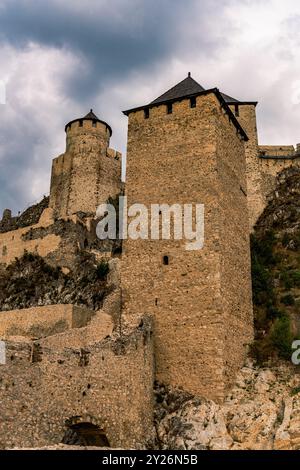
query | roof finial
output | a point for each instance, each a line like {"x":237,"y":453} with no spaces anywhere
{"x":91,"y":110}
{"x":189,"y":74}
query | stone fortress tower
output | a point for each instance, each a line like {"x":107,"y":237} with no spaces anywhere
{"x":188,"y":147}
{"x":88,"y":172}
{"x":192,"y":144}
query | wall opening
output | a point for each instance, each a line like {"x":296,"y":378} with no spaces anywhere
{"x":94,"y":123}
{"x":236,"y":110}
{"x":165,"y":260}
{"x":85,"y":434}
{"x":169,"y":108}
{"x":146,"y":113}
{"x":193,"y":102}
{"x":80,"y":123}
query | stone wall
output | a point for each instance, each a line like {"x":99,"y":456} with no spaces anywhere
{"x":263,"y":162}
{"x":109,"y":384}
{"x":270,"y":168}
{"x":37,"y":322}
{"x":30,"y":216}
{"x":57,"y":240}
{"x":193,"y":155}
{"x":87,"y":173}
{"x":256,"y":202}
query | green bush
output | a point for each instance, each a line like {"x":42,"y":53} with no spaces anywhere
{"x":290,"y":278}
{"x":102,"y":269}
{"x":295,"y":275}
{"x":288,"y":299}
{"x":281,"y":336}
{"x":295,"y":391}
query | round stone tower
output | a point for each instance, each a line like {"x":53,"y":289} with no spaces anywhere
{"x":88,"y":173}
{"x":89,"y":130}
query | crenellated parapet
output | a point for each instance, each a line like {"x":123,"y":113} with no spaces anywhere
{"x":89,"y":172}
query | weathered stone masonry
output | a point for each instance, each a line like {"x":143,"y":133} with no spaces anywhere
{"x":108,"y":384}
{"x":85,"y":375}
{"x":201,"y":301}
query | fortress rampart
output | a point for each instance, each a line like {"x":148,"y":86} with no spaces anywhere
{"x":48,"y":394}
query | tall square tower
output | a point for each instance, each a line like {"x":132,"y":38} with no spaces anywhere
{"x":187,"y":147}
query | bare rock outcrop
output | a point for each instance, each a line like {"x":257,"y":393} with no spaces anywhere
{"x":261,"y":412}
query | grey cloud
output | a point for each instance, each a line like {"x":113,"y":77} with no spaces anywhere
{"x":111,"y":49}
{"x":111,"y":43}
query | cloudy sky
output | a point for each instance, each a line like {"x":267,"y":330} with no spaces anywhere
{"x":59,"y":58}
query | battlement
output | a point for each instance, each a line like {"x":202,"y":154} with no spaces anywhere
{"x":37,"y":322}
{"x":179,"y":105}
{"x":279,"y":152}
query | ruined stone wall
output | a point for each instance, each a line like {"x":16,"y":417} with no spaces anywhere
{"x":88,"y":173}
{"x":277,"y":150}
{"x":176,"y":158}
{"x":271,"y":167}
{"x":58,"y":241}
{"x":109,"y":384}
{"x":42,"y":321}
{"x":14,"y":243}
{"x":30,"y":216}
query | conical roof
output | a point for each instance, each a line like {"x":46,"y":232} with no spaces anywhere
{"x":90,"y":116}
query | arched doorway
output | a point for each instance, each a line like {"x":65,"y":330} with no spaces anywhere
{"x":85,"y":434}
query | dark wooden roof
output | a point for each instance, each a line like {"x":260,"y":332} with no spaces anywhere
{"x":90,"y":116}
{"x":186,"y":87}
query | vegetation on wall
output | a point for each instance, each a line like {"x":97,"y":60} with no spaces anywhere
{"x":275,"y":253}
{"x":276,"y":293}
{"x":30,"y":281}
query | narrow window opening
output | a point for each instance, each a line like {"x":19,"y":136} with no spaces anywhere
{"x":146,"y":113}
{"x":94,"y":123}
{"x":80,"y":123}
{"x":166,"y":260}
{"x":169,"y":108}
{"x":236,"y":110}
{"x":193,"y":102}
